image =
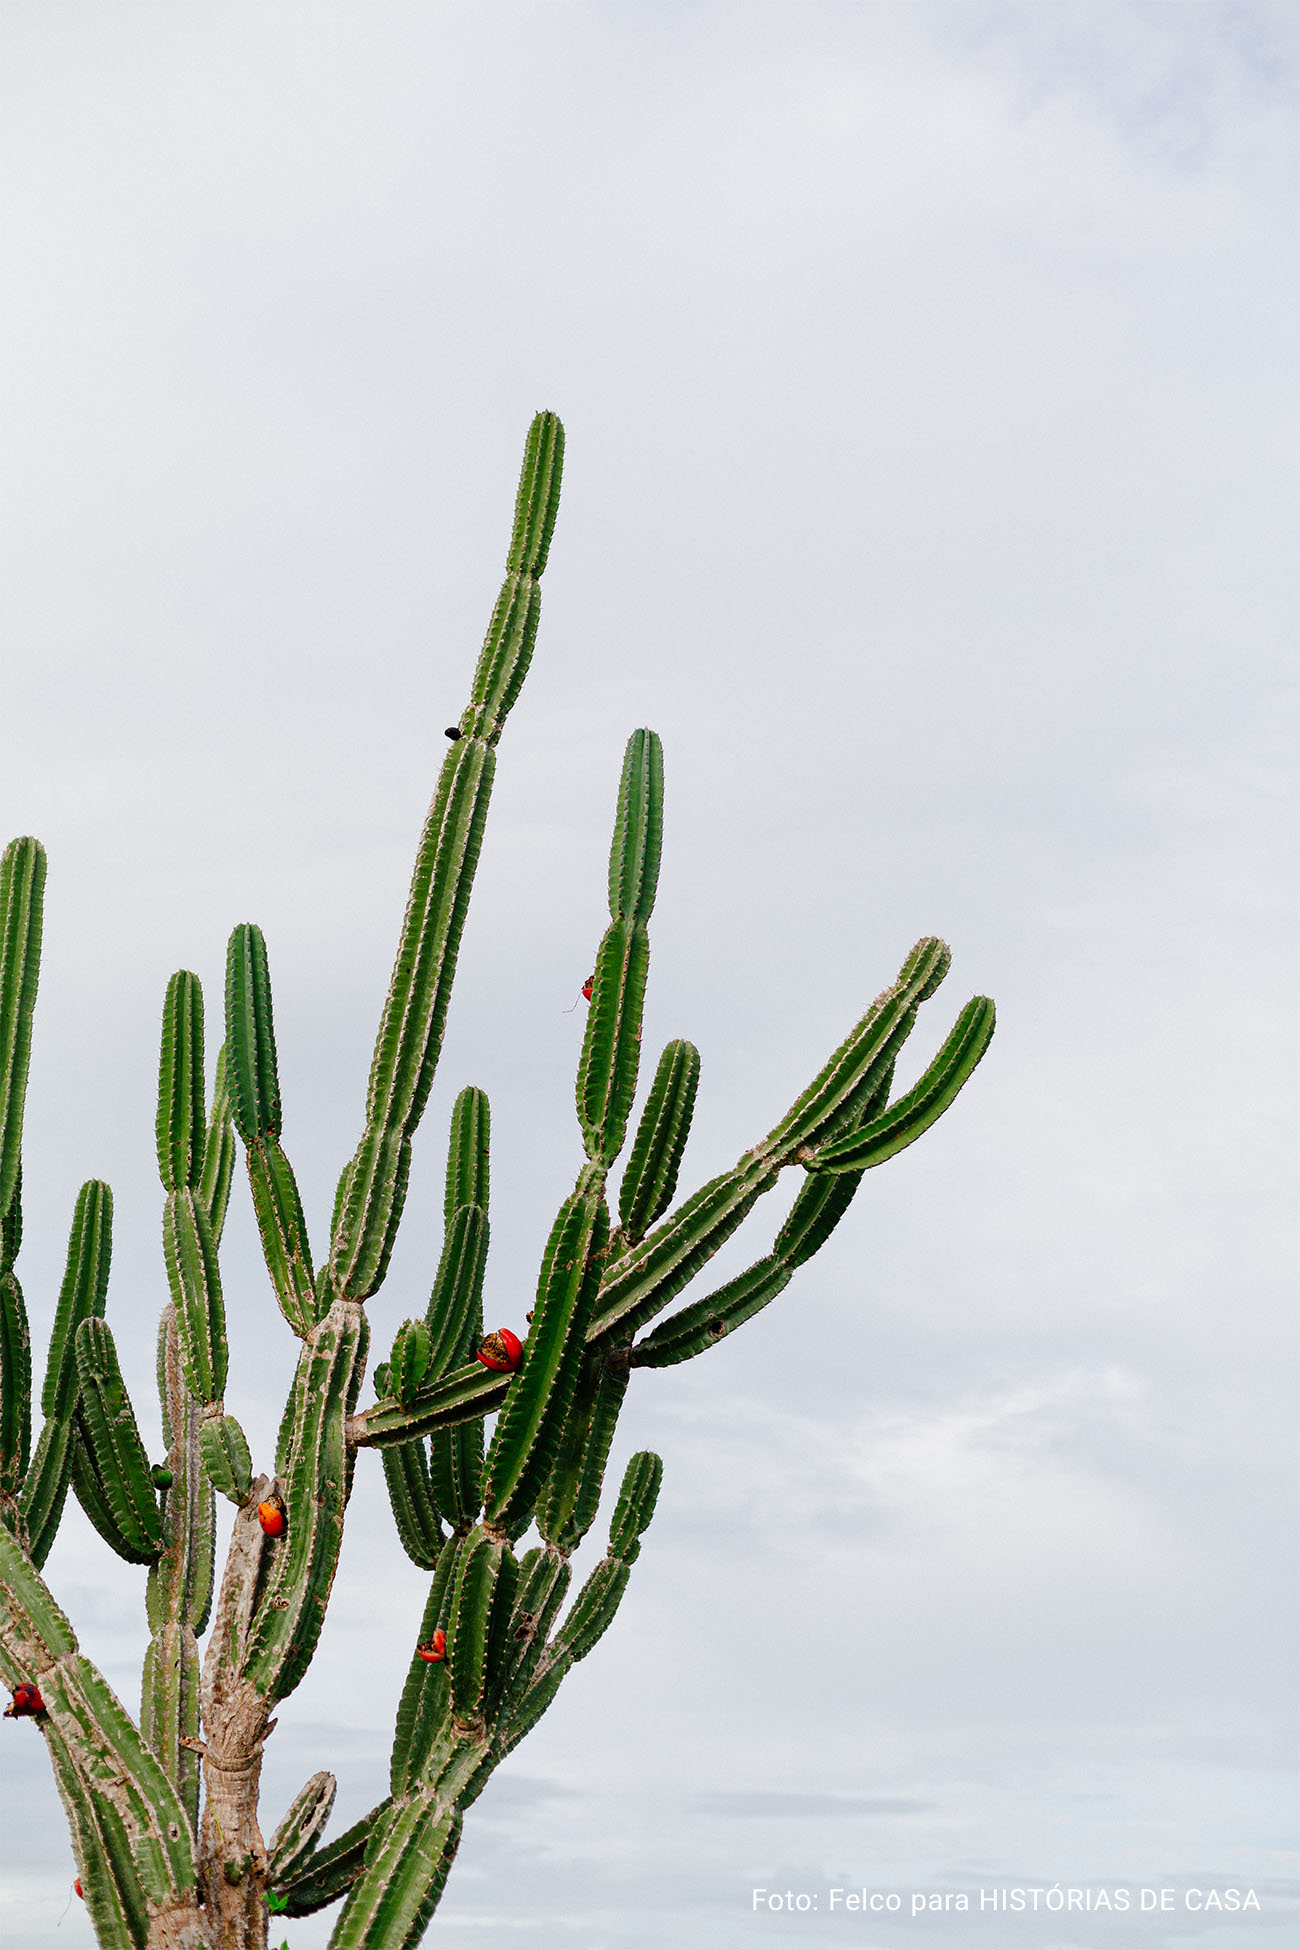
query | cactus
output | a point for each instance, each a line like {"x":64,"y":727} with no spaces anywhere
{"x":163,"y":1810}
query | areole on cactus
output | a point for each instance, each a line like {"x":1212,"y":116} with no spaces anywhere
{"x":163,"y":1808}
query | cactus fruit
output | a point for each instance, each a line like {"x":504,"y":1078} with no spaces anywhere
{"x":164,"y":1812}
{"x":501,"y":1351}
{"x":271,"y":1516}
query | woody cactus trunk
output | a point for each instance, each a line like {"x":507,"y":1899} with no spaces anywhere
{"x":163,"y":1808}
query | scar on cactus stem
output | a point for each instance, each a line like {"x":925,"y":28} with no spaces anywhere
{"x":434,"y":1650}
{"x":271,"y":1516}
{"x":25,"y":1702}
{"x":501,"y":1351}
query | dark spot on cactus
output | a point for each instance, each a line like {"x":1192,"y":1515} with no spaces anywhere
{"x":717,"y":1328}
{"x":526,"y":1627}
{"x":452,"y":732}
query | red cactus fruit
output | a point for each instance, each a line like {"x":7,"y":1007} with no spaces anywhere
{"x":271,"y":1516}
{"x":588,"y":988}
{"x":434,"y":1650}
{"x":77,"y":1889}
{"x":26,"y":1701}
{"x":502,"y":1351}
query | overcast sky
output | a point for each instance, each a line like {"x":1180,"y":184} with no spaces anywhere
{"x":929,"y":379}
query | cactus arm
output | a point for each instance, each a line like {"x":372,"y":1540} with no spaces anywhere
{"x":218,"y":1152}
{"x":291,"y":1609}
{"x":705,"y":1322}
{"x":300,"y":1827}
{"x":88,"y":1488}
{"x":389,"y":1905}
{"x":81,"y":1296}
{"x":456,"y":1302}
{"x":456,"y":1454}
{"x":538,"y":1399}
{"x":543,"y":1585}
{"x":921,"y":1106}
{"x":329,"y":1872}
{"x":22,"y":891}
{"x":122,"y":1808}
{"x":190,"y":1251}
{"x":409,"y":1041}
{"x":179,"y":1125}
{"x":15,"y":1386}
{"x":650,"y":1178}
{"x":179,"y":1592}
{"x":255,"y":1106}
{"x":567,"y":1507}
{"x":227,"y":1459}
{"x":466,"y":1394}
{"x":410,"y":1034}
{"x":592,"y":1611}
{"x":836,"y":1095}
{"x":468,"y":1153}
{"x":611,"y":1045}
{"x":638,"y":829}
{"x":406,"y":1474}
{"x":109,"y":1447}
{"x":424,"y":1705}
{"x":409,"y":1361}
{"x":482,"y":1598}
{"x":641,"y":1282}
{"x":45,"y":1488}
{"x":644,"y":1278}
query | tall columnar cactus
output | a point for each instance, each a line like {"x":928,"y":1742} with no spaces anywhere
{"x":164,"y":1810}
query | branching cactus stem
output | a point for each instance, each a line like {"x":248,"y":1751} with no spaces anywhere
{"x":163,"y":1811}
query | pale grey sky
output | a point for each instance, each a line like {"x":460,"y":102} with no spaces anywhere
{"x":929,"y":379}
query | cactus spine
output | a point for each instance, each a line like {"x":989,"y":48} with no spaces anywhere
{"x":163,"y":1813}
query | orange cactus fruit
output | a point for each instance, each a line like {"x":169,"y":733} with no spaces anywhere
{"x":78,"y":1890}
{"x":588,"y":988}
{"x":434,"y":1650}
{"x":501,"y":1351}
{"x":25,"y":1702}
{"x":271,"y":1516}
